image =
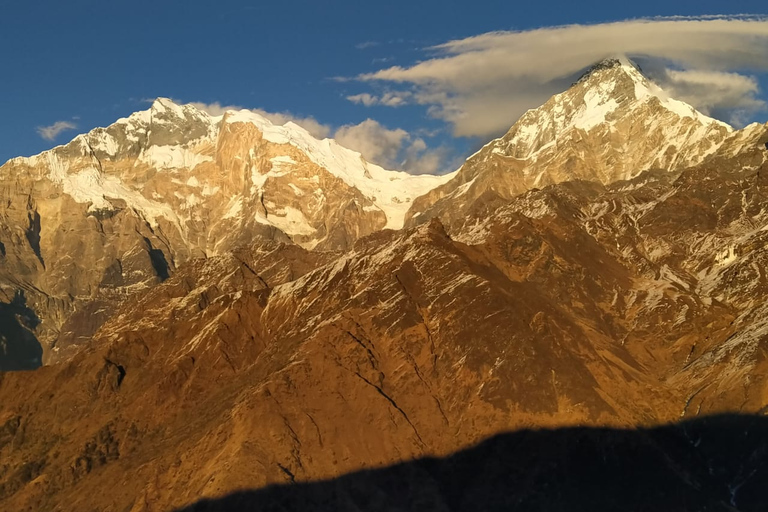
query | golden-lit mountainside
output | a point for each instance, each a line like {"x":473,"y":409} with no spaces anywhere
{"x":243,"y":312}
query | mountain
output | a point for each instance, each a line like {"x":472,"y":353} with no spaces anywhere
{"x":612,"y":124}
{"x":619,"y":303}
{"x":179,"y":163}
{"x":151,"y":191}
{"x":633,"y":304}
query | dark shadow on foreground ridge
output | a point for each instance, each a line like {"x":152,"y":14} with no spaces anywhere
{"x":19,"y":347}
{"x":718,"y":463}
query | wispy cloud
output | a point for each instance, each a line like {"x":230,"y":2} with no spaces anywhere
{"x":366,"y":44}
{"x":388,"y":99}
{"x":53,"y":131}
{"x":482,"y":84}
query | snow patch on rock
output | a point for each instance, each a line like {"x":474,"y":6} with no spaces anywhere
{"x":172,"y":157}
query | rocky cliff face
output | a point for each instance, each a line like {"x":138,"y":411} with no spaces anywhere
{"x":611,"y":125}
{"x":116,"y":210}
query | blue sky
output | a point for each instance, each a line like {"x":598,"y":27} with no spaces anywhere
{"x":87,"y":62}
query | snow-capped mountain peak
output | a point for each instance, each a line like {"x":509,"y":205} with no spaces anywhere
{"x":609,"y":94}
{"x":610,"y":125}
{"x":647,"y":90}
{"x":236,"y":173}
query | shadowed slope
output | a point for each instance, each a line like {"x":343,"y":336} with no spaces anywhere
{"x":19,"y":348}
{"x":714,"y":464}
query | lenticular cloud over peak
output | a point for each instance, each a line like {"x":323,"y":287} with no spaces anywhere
{"x":482,"y":84}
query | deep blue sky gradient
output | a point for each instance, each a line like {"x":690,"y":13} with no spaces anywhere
{"x":91,"y":62}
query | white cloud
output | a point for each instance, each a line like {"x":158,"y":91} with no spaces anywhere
{"x":392,"y":148}
{"x":388,"y":99}
{"x":53,"y":131}
{"x":215,"y":108}
{"x":365,"y":99}
{"x":312,"y":125}
{"x":482,"y":84}
{"x":419,"y":159}
{"x":721,"y":94}
{"x":375,"y":142}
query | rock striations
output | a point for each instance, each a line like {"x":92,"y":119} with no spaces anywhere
{"x":603,"y":264}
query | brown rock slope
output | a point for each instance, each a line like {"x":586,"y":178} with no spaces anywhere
{"x":633,"y":304}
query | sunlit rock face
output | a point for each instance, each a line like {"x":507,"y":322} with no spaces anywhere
{"x":116,"y":210}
